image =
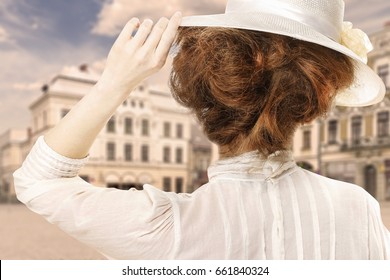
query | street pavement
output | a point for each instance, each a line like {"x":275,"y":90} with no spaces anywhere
{"x":25,"y":235}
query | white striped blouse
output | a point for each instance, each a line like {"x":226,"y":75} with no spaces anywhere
{"x":252,"y":208}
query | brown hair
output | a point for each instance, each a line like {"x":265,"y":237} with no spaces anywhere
{"x":250,"y":90}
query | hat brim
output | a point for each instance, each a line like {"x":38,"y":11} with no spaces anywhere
{"x":367,"y":88}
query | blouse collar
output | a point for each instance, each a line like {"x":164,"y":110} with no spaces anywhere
{"x":253,"y":165}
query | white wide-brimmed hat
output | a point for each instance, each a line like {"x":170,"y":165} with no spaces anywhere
{"x":316,"y":21}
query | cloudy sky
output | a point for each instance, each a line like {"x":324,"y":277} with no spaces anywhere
{"x":38,"y":38}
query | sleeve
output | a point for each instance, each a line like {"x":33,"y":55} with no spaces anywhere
{"x":378,"y":234}
{"x":120,"y":224}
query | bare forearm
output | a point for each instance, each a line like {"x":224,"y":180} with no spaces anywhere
{"x":76,"y":132}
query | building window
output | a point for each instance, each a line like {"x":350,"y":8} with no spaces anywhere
{"x":110,"y":151}
{"x":167,"y":184}
{"x":383,"y":72}
{"x":306,"y":140}
{"x":128,"y":152}
{"x":179,"y":131}
{"x":179,"y":185}
{"x":332,"y":132}
{"x":111,"y":125}
{"x":356,"y":130}
{"x":383,"y":124}
{"x":167,"y":154}
{"x":145,"y":128}
{"x":167,"y":129}
{"x":179,"y":155}
{"x":128,"y":126}
{"x":145,"y":153}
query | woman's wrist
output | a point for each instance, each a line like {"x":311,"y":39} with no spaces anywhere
{"x":111,"y":90}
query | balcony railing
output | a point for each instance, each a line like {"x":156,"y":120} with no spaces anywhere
{"x":365,"y":142}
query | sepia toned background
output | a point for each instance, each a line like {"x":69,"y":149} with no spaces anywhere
{"x":52,"y":53}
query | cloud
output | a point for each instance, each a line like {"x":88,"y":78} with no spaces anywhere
{"x":9,"y":12}
{"x":20,"y":74}
{"x":20,"y":19}
{"x":17,"y":13}
{"x":23,"y":73}
{"x":4,"y":36}
{"x":114,"y":15}
{"x":27,"y":86}
{"x":369,"y":16}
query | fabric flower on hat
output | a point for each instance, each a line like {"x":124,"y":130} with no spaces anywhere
{"x":355,"y":40}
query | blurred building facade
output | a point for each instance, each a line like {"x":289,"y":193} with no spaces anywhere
{"x":353,"y":144}
{"x":147,"y":141}
{"x":12,"y":144}
{"x":200,"y":159}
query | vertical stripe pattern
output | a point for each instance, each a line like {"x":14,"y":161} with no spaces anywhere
{"x":314,"y":216}
{"x":297,"y":219}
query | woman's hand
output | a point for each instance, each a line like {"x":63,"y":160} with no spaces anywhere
{"x":132,"y":59}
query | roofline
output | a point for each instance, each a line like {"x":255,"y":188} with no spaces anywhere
{"x":75,"y":79}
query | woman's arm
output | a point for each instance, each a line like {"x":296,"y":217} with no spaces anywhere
{"x":131,"y":60}
{"x":120,"y":224}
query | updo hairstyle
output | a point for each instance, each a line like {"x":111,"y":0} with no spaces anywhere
{"x":250,"y":90}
